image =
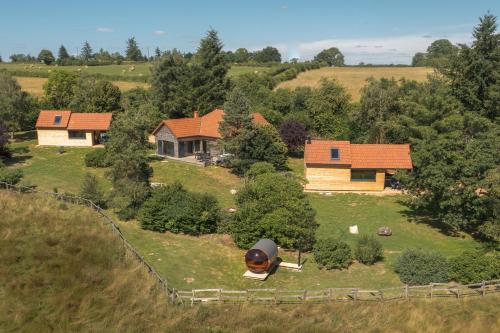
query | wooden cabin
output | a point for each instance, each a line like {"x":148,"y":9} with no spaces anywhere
{"x":66,"y":128}
{"x":343,"y":166}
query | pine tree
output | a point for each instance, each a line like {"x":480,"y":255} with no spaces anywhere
{"x":133,"y":53}
{"x":157,"y":53}
{"x":236,"y":116}
{"x":210,"y":68}
{"x":63,"y":54}
{"x":86,"y":53}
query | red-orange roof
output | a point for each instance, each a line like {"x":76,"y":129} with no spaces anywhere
{"x":74,"y":121}
{"x":359,"y":156}
{"x":47,"y":119}
{"x":90,"y":121}
{"x":206,"y":126}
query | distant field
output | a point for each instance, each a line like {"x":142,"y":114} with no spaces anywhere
{"x":31,"y":77}
{"x":354,"y":78}
{"x":34,"y":85}
{"x":129,"y":72}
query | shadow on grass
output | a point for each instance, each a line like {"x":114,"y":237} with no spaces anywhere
{"x":25,"y":136}
{"x":17,"y":160}
{"x":421,"y":216}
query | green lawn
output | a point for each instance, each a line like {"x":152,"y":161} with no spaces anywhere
{"x":141,"y":71}
{"x":213,"y":261}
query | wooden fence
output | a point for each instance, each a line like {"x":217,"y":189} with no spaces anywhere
{"x":282,"y":296}
{"x":274,"y":295}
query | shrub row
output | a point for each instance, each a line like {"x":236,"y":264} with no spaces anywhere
{"x":420,"y":267}
{"x":97,"y":158}
{"x":336,"y":254}
{"x":172,"y":208}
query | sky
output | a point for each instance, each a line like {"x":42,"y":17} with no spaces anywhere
{"x":370,"y":31}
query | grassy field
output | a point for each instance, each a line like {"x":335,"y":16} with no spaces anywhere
{"x":34,"y":85}
{"x":213,"y":260}
{"x":354,"y":78}
{"x":61,"y":271}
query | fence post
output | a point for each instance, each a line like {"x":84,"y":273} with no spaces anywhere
{"x":406,"y":291}
{"x":432,"y":289}
{"x":483,"y":288}
{"x":304,"y":296}
{"x":330,"y":294}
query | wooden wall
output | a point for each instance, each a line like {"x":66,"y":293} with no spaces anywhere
{"x":59,"y":137}
{"x":338,"y":178}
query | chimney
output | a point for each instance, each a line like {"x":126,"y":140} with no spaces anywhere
{"x":196,"y":115}
{"x":308,"y":140}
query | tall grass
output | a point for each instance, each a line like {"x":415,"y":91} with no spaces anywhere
{"x":62,"y":271}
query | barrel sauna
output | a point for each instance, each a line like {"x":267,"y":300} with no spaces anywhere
{"x":260,"y":258}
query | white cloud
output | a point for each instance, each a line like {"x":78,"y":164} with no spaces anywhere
{"x":159,"y":32}
{"x":104,"y":29}
{"x":380,"y":50}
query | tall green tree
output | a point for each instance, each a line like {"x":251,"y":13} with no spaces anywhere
{"x":63,"y":54}
{"x":86,"y":53}
{"x":130,"y":172}
{"x":157,"y":53}
{"x":16,"y":106}
{"x":328,"y":107}
{"x":90,"y":95}
{"x":171,"y":86}
{"x":58,"y":90}
{"x":132,"y":52}
{"x":475,"y":71}
{"x":209,"y":73}
{"x":274,"y":205}
{"x":331,"y":56}
{"x":267,"y":54}
{"x":46,"y":57}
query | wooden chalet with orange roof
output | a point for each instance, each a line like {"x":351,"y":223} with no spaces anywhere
{"x":343,"y":166}
{"x":187,"y":137}
{"x":66,"y":128}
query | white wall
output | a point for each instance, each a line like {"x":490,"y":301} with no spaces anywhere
{"x":59,"y":137}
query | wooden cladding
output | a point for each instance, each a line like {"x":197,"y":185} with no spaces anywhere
{"x":339,"y":178}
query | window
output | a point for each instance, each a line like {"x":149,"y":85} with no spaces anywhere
{"x":335,"y":154}
{"x":57,"y":120}
{"x":77,"y":135}
{"x":363,"y":175}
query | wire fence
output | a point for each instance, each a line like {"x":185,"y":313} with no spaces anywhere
{"x":275,"y":295}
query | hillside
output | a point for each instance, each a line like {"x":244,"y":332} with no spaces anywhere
{"x":61,"y":271}
{"x":354,"y":78}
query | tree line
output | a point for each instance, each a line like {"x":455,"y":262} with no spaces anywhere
{"x":86,"y":56}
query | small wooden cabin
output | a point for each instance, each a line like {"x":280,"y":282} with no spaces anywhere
{"x":342,"y":166}
{"x":66,"y":128}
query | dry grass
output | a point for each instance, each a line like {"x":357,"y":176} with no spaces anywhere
{"x":34,"y":85}
{"x":354,"y":78}
{"x":61,"y":271}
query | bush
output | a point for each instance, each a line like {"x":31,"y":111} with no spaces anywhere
{"x":274,"y":206}
{"x":259,"y":168}
{"x":474,"y":267}
{"x":332,"y":254}
{"x":10,"y":176}
{"x":90,"y":190}
{"x":174,"y":209}
{"x":419,"y":267}
{"x":97,"y":158}
{"x":368,"y":250}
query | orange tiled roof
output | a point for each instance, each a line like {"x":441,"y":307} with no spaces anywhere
{"x":206,"y":126}
{"x":359,"y":156}
{"x":46,"y":119}
{"x":74,"y":121}
{"x":90,"y":121}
